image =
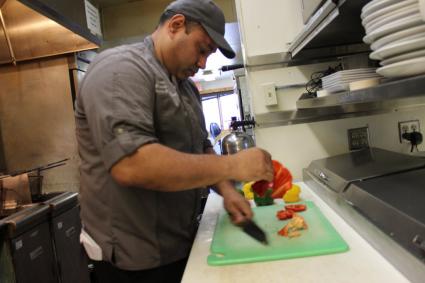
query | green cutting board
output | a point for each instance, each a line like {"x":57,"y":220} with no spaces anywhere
{"x":230,"y":245}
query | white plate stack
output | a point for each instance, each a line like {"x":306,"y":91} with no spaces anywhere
{"x":396,"y":31}
{"x":340,"y":81}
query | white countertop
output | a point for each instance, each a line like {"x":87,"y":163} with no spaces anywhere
{"x":361,"y":264}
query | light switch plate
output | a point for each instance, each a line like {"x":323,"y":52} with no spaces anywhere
{"x":269,"y":92}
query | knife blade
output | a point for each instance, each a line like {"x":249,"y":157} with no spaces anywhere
{"x":252,"y":229}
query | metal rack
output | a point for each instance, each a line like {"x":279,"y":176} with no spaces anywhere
{"x":387,"y":97}
{"x":397,"y":93}
{"x":335,"y":30}
{"x":336,"y":23}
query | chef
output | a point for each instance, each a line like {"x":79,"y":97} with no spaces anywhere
{"x":145,"y":153}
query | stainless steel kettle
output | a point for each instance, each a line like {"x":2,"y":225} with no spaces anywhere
{"x":237,"y":140}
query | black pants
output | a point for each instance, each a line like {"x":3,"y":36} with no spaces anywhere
{"x":104,"y":272}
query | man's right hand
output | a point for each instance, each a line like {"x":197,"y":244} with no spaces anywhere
{"x":252,"y":164}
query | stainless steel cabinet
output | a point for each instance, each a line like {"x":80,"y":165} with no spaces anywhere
{"x":27,"y":250}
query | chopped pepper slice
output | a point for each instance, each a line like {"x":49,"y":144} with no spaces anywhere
{"x":294,"y":226}
{"x":296,"y":207}
{"x":284,"y":214}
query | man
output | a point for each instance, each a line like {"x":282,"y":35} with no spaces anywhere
{"x":142,"y":142}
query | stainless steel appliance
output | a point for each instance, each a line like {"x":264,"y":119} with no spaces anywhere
{"x":27,"y":253}
{"x":65,"y":228}
{"x":338,"y":172}
{"x":40,"y":243}
{"x":309,"y":7}
{"x":396,"y":204}
{"x":381,"y":194}
{"x":237,"y":140}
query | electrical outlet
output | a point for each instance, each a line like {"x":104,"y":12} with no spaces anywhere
{"x":358,"y":138}
{"x":269,"y":91}
{"x":408,"y":127}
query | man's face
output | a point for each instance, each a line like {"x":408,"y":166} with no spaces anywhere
{"x":191,"y":48}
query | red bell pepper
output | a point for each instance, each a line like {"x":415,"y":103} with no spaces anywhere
{"x":282,"y":180}
{"x":262,"y":193}
{"x":260,"y":187}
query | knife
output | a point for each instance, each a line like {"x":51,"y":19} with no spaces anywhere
{"x":252,"y":229}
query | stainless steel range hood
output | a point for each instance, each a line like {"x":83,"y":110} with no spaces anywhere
{"x":32,"y":29}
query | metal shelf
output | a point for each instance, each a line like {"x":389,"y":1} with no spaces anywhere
{"x":401,"y":90}
{"x":336,"y":30}
{"x":388,"y":97}
{"x":336,"y":23}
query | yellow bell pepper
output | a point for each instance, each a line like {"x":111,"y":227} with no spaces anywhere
{"x":293,"y":194}
{"x":247,"y":190}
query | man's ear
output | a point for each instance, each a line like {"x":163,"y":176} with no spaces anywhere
{"x":176,"y":23}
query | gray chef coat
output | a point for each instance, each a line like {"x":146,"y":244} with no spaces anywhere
{"x":127,"y":100}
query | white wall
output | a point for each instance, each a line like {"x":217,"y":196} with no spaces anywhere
{"x":269,"y":26}
{"x":281,"y":77}
{"x":297,"y":145}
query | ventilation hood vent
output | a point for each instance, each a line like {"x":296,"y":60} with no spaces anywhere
{"x":32,"y":29}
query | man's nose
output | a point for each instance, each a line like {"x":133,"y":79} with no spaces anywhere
{"x":202,"y":62}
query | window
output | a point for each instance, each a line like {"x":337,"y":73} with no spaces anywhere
{"x":220,"y":108}
{"x":229,"y":108}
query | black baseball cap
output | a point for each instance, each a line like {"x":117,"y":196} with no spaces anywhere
{"x":211,"y":18}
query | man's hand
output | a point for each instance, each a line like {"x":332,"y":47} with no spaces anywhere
{"x":235,"y":204}
{"x":252,"y":164}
